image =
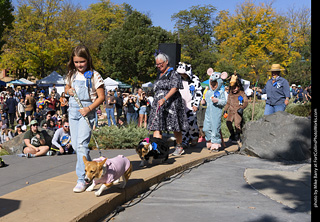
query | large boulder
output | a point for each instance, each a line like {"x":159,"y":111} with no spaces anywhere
{"x":279,"y":136}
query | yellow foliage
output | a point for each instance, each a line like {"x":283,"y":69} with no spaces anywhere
{"x":255,"y":35}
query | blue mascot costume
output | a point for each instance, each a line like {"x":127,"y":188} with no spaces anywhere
{"x":216,"y":100}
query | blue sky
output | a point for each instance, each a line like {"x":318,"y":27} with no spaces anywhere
{"x":161,"y":11}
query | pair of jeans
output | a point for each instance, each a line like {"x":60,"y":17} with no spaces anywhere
{"x":269,"y":109}
{"x":131,"y":117}
{"x":79,"y":129}
{"x":110,"y":114}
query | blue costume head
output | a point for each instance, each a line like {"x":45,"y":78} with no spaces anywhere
{"x":216,"y":79}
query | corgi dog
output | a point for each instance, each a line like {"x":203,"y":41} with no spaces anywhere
{"x":148,"y":151}
{"x":143,"y":150}
{"x":106,"y":172}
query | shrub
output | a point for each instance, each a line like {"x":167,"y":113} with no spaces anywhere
{"x":118,"y":138}
{"x":247,"y":115}
{"x":299,"y":109}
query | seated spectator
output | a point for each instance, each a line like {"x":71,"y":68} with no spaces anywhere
{"x":48,"y":117}
{"x":59,"y":123}
{"x":34,"y":142}
{"x":61,"y":141}
{"x":4,"y":119}
{"x":45,"y":126}
{"x":22,"y":125}
{"x":37,"y":115}
{"x":6,"y":134}
{"x":51,"y":125}
{"x":18,"y":130}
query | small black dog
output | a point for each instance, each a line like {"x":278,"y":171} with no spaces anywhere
{"x":154,"y":148}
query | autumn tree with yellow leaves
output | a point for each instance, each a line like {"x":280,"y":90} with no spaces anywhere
{"x":255,"y":37}
{"x":45,"y":31}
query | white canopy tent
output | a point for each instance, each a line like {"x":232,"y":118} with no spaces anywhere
{"x":147,"y":85}
{"x":110,"y":84}
{"x":27,"y":82}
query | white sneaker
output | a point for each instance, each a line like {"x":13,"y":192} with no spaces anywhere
{"x":80,"y":187}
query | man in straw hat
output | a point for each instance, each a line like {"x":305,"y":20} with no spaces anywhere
{"x":277,"y":90}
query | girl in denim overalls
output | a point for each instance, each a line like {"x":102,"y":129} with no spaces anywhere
{"x":90,"y":90}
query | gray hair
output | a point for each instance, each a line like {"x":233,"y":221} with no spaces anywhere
{"x":162,"y":56}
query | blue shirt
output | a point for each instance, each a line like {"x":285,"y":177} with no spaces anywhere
{"x":277,"y":92}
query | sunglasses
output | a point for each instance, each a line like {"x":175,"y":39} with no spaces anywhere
{"x":66,"y":126}
{"x":34,"y":125}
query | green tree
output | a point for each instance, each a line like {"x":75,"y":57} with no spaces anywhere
{"x":128,"y":50}
{"x":95,"y":23}
{"x":45,"y":31}
{"x":6,"y":18}
{"x":299,"y":41}
{"x":34,"y":44}
{"x":195,"y":31}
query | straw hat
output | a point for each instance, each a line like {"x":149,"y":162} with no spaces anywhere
{"x":275,"y":67}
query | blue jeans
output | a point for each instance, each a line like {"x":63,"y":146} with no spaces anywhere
{"x":79,"y":128}
{"x":131,"y":117}
{"x":110,"y":113}
{"x":269,"y":109}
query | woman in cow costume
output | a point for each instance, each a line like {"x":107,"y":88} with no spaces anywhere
{"x":191,"y":95}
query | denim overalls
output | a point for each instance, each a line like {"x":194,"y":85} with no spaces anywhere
{"x":79,"y":129}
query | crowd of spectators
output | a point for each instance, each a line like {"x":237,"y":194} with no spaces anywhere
{"x":19,"y":106}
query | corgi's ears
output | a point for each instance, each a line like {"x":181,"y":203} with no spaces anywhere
{"x":210,"y":71}
{"x":84,"y":159}
{"x":224,"y":75}
{"x":101,"y":164}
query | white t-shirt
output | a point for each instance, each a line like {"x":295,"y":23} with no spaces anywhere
{"x":96,"y":83}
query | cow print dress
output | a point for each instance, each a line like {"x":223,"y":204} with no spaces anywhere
{"x":171,"y":115}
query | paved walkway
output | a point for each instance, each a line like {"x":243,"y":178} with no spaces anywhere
{"x":48,"y":194}
{"x":218,"y":191}
{"x":54,"y":196}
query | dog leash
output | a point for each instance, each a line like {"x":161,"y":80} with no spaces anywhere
{"x":155,"y":116}
{"x":75,"y":96}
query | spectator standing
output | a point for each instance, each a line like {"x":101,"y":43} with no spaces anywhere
{"x":30,"y":103}
{"x":21,"y":109}
{"x":131,"y":113}
{"x":143,"y":101}
{"x":41,"y":102}
{"x":277,"y":90}
{"x":293,"y":91}
{"x":110,"y":100}
{"x":119,"y":105}
{"x":12,"y":104}
{"x":52,"y":102}
{"x":64,"y":103}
